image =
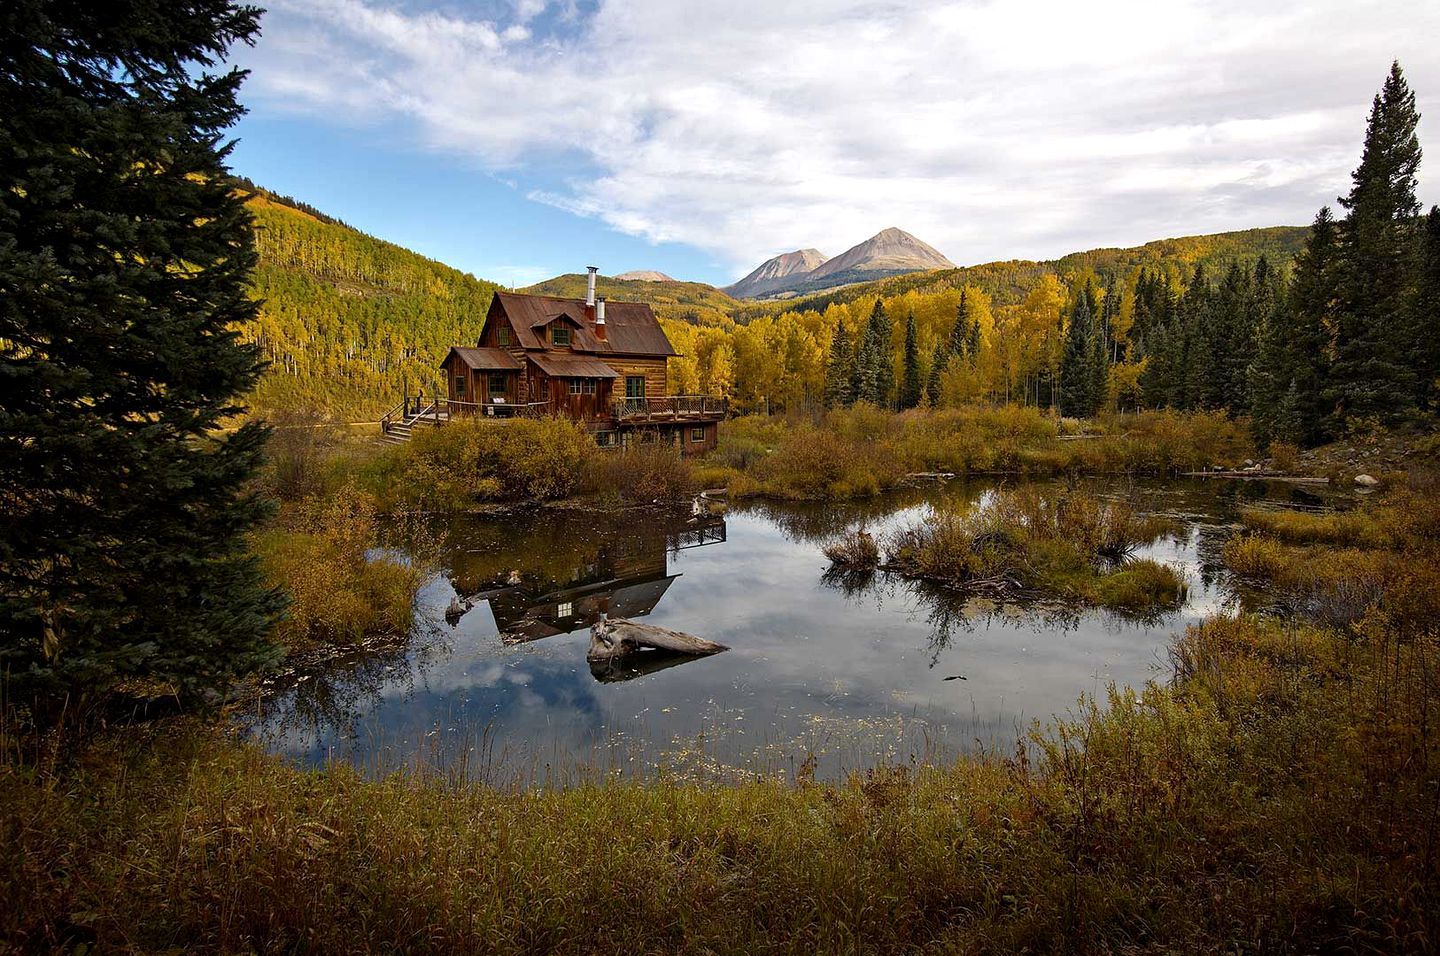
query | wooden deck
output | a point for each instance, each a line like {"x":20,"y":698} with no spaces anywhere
{"x":399,"y":423}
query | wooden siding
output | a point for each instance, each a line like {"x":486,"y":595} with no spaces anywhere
{"x":656,"y":379}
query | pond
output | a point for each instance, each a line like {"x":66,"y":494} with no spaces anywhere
{"x":831,"y":671}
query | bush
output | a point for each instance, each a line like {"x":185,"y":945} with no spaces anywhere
{"x":470,"y":462}
{"x":644,"y":473}
{"x":855,"y":549}
{"x":339,"y":592}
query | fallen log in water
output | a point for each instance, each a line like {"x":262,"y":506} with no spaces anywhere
{"x":617,"y":637}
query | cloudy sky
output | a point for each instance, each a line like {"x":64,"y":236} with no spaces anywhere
{"x":522,"y":138}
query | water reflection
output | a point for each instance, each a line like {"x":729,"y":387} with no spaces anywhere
{"x":853,"y":668}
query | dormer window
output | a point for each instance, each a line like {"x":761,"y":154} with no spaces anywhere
{"x":560,"y":335}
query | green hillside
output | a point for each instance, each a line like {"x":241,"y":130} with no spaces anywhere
{"x":348,"y":321}
{"x":693,"y":302}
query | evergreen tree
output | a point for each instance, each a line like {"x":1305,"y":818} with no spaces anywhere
{"x":960,"y":336}
{"x":912,"y":386}
{"x":1309,"y":317}
{"x":1425,"y":327}
{"x":937,"y":368}
{"x":875,"y":381}
{"x":840,"y":371}
{"x":1077,"y":377}
{"x":125,"y":267}
{"x":1371,"y":375}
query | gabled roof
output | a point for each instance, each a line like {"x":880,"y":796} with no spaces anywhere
{"x":630,"y":327}
{"x":484,"y":359}
{"x":559,"y":364}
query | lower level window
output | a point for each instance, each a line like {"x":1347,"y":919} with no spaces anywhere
{"x":697,"y":433}
{"x":604,"y":439}
{"x":460,"y":385}
{"x":497,"y":383}
{"x":574,"y":386}
{"x":589,"y":386}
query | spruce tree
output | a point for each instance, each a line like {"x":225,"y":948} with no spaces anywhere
{"x":937,"y":368}
{"x":1372,"y":375}
{"x":875,"y":372}
{"x":1425,"y":326}
{"x":1077,"y":378}
{"x":912,"y":386}
{"x":124,"y":260}
{"x":1309,"y":316}
{"x":959,"y":345}
{"x":840,"y":371}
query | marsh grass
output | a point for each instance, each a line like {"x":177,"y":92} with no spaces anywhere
{"x":1277,"y":797}
{"x":1060,"y":543}
{"x":855,"y":550}
{"x":862,"y":450}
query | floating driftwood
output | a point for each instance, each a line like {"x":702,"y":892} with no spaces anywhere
{"x":616,"y":637}
{"x":1257,"y":475}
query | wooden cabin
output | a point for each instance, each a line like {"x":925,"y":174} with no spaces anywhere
{"x":603,"y":364}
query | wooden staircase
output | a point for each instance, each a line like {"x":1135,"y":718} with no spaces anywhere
{"x":397,"y":427}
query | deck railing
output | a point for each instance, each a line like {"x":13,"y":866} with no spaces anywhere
{"x":455,"y":407}
{"x":666,"y":407}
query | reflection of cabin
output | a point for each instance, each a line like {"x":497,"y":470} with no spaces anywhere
{"x":627,"y":578}
{"x":603,"y":365}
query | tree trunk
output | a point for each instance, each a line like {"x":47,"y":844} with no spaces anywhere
{"x":617,"y":637}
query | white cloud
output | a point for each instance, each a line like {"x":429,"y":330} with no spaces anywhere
{"x":992,"y":129}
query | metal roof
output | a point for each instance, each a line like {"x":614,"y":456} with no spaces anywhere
{"x":484,"y":358}
{"x":568,"y":365}
{"x":630,"y":327}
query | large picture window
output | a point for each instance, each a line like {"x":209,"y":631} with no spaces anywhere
{"x":560,"y":334}
{"x":634,"y":386}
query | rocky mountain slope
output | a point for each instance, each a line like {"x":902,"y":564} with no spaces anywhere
{"x":889,"y":252}
{"x":776,"y":274}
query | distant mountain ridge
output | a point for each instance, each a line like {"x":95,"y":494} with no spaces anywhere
{"x":889,"y":252}
{"x":774,"y":274}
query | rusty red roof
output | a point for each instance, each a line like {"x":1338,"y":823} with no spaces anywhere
{"x":560,"y":364}
{"x":484,"y":359}
{"x":630,"y":327}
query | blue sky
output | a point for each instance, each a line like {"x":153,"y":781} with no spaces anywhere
{"x":517,"y":139}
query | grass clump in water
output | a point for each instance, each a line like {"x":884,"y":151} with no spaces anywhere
{"x":854,"y":550}
{"x":1030,"y":542}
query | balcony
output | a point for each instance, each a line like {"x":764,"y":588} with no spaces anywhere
{"x":671,"y":408}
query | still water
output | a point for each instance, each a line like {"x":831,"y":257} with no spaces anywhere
{"x":854,"y":671}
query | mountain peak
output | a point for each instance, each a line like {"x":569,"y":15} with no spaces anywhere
{"x":644,"y":275}
{"x":776,"y":273}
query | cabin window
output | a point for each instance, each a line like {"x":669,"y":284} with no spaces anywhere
{"x":634,"y":386}
{"x":497,"y":383}
{"x":544,"y":390}
{"x":589,"y":386}
{"x":502,"y":335}
{"x":574,"y":386}
{"x":604,"y":439}
{"x":697,"y":433}
{"x":459,"y":385}
{"x":560,"y":334}
{"x":565,"y":609}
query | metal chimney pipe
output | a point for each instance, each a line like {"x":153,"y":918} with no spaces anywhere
{"x":600,"y":311}
{"x":590,"y":286}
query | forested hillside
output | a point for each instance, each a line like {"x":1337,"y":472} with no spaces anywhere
{"x":348,"y":322}
{"x":693,"y":302}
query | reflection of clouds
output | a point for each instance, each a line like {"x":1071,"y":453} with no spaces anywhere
{"x":858,"y":673}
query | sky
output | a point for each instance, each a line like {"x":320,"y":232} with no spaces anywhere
{"x":520,"y":139}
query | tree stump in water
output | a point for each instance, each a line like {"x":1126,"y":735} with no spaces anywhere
{"x":616,"y":637}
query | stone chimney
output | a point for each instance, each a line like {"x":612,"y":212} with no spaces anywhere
{"x":600,"y":318}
